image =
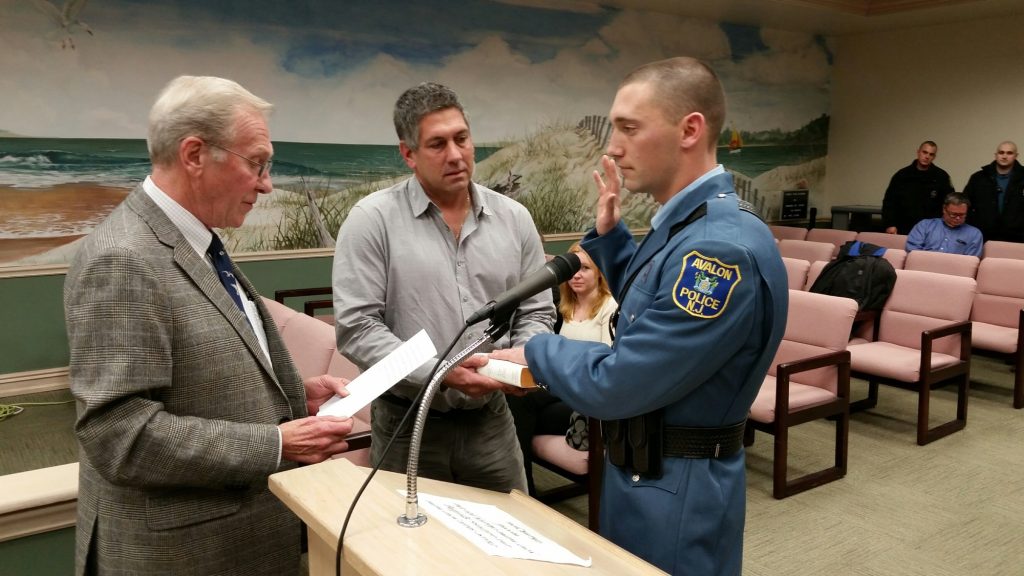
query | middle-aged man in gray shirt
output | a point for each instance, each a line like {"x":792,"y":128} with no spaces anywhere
{"x":425,"y":254}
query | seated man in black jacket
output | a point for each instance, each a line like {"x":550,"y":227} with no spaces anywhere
{"x":996,"y":193}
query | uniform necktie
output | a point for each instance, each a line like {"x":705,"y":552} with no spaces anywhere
{"x":222,"y":264}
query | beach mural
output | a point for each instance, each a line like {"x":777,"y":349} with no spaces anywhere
{"x":537,"y":79}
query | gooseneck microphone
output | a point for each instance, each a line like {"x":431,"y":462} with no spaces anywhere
{"x":557,"y":270}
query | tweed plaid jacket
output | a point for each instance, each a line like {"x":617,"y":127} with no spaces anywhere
{"x":177,"y":409}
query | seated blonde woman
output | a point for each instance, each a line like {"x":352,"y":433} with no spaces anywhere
{"x":585,"y":309}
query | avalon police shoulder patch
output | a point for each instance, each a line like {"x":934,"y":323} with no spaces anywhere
{"x":705,"y":284}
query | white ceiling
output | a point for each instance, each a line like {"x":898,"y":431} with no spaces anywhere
{"x":832,"y":17}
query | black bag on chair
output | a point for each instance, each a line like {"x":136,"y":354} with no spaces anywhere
{"x":858,"y":272}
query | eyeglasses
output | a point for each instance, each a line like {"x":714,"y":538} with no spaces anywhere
{"x":262,"y":167}
{"x":954,"y":216}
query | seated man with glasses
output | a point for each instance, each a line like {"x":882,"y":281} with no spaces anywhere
{"x":950,"y":233}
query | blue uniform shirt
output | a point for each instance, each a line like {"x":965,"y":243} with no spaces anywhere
{"x":933,"y":235}
{"x":698,"y":328}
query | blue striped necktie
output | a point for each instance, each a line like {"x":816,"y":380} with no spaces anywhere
{"x":222,"y":264}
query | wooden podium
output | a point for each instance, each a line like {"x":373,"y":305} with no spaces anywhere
{"x":375,"y":545}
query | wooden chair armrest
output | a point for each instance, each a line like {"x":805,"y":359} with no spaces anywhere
{"x":841,"y":359}
{"x":280,"y":295}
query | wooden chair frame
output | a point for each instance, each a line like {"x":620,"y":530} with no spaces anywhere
{"x":589,"y":483}
{"x":837,"y":410}
{"x":309,"y":307}
{"x":958,"y":373}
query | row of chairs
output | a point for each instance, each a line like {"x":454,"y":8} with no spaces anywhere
{"x":996,"y":309}
{"x":796,"y":237}
{"x":921,"y":340}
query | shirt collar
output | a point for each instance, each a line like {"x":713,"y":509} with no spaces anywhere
{"x":195,"y":232}
{"x":675,"y":201}
{"x":420,"y":202}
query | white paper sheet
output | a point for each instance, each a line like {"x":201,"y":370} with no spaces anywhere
{"x":381,"y":376}
{"x":495,"y":531}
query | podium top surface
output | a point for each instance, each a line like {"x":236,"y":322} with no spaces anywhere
{"x":375,"y":544}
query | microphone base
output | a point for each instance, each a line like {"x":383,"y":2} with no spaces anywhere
{"x":406,"y":522}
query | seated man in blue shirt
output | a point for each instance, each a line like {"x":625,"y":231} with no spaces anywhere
{"x":950,"y":233}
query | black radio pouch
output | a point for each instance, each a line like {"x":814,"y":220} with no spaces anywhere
{"x":614,"y":432}
{"x":636,"y":443}
{"x":645,"y":434}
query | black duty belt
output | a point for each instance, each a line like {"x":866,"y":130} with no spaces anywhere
{"x":690,"y":442}
{"x":405,"y":403}
{"x":640,"y":443}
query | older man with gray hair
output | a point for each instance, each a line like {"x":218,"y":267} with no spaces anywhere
{"x":187,"y":397}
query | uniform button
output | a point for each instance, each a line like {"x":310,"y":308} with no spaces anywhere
{"x":465,"y":298}
{"x":632,"y":317}
{"x":721,"y":195}
{"x":636,"y":477}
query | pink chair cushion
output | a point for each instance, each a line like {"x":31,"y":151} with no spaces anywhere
{"x":556,"y":450}
{"x":922,"y":301}
{"x":311,"y":344}
{"x":897,"y":241}
{"x":788,"y":232}
{"x":806,"y":250}
{"x":893,"y":361}
{"x":816,"y":324}
{"x":955,"y":264}
{"x":997,"y":249}
{"x":835,"y":237}
{"x":1001,"y":277}
{"x":813,"y":272}
{"x":993,"y":337}
{"x":800,"y":397}
{"x":896,"y":256}
{"x":796,"y":271}
{"x":997,"y":305}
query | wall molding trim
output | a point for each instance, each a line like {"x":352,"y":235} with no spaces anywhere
{"x":32,"y":381}
{"x":61,"y":269}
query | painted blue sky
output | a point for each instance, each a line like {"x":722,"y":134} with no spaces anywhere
{"x":334,"y":69}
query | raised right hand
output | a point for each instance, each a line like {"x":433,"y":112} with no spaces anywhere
{"x":608,"y":201}
{"x":314,"y":439}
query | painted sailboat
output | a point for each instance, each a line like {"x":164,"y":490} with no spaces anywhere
{"x":735,"y":142}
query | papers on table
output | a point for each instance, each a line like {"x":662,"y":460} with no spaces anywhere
{"x":381,"y":376}
{"x":495,"y":531}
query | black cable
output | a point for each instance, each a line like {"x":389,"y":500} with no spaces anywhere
{"x":387,"y":448}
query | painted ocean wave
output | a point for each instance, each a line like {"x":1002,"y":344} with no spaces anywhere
{"x":46,"y":162}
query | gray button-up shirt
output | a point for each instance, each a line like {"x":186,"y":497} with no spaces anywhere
{"x":399,"y":269}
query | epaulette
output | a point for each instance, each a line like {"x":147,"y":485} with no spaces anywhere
{"x":748,"y":207}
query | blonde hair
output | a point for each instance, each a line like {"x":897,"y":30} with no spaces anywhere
{"x":568,"y":299}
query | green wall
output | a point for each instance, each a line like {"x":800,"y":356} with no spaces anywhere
{"x":46,"y":554}
{"x":32,"y":332}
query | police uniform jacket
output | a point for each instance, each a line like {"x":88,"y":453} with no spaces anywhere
{"x":698,"y":328}
{"x":914,"y":195}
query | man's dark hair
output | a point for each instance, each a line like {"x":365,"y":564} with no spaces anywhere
{"x":417,"y":102}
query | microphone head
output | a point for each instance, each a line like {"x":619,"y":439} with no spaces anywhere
{"x":564,"y":266}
